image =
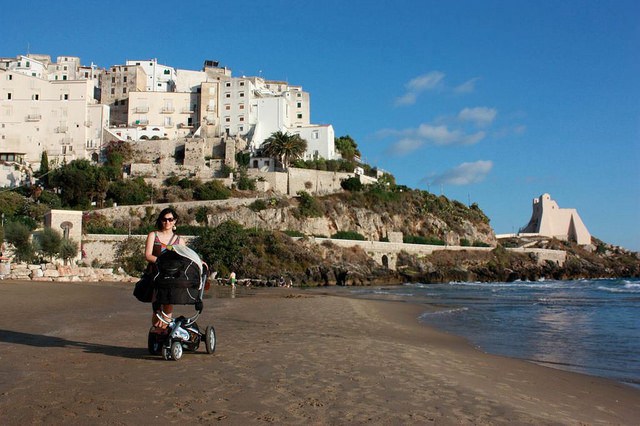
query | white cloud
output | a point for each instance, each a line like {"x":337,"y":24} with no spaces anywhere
{"x":468,"y":86}
{"x":481,"y":116}
{"x":429,"y":81}
{"x":427,"y":134}
{"x":464,"y":174}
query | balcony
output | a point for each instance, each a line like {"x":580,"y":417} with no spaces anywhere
{"x":34,"y":117}
{"x":61,"y":129}
{"x":185,"y":126}
{"x":142,"y":122}
{"x":141,"y":110}
{"x":211,"y":108}
{"x":88,"y":123}
{"x":187,"y":111}
{"x":168,"y":110}
{"x":66,"y":141}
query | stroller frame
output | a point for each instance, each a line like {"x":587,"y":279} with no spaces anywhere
{"x":183,"y":332}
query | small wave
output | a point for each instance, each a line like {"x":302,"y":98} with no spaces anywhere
{"x":443,"y":312}
{"x":623,"y":289}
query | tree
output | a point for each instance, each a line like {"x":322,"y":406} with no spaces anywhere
{"x":50,"y":241}
{"x":284,"y":147}
{"x":130,"y":191}
{"x":19,"y":235}
{"x":43,"y":173}
{"x":130,"y":255}
{"x":68,"y":250}
{"x":222,"y":247}
{"x":347,"y":147}
{"x":77,"y":183}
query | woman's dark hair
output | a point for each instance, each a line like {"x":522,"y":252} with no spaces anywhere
{"x":162,"y":214}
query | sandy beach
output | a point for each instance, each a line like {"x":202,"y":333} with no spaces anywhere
{"x":76,"y":354}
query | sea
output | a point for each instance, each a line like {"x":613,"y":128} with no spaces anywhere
{"x":585,"y":326}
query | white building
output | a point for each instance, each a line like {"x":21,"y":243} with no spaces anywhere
{"x":551,"y":221}
{"x":58,"y":116}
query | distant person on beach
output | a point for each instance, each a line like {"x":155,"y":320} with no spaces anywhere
{"x":157,"y":242}
{"x":232,"y":279}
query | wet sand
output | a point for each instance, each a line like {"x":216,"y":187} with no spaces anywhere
{"x":76,"y":354}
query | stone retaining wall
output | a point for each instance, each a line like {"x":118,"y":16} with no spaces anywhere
{"x":52,"y":272}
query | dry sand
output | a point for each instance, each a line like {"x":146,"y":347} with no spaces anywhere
{"x":76,"y":354}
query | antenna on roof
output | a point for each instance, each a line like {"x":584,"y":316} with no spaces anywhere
{"x":28,"y":47}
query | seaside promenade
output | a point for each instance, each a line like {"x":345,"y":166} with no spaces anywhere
{"x":75,"y":353}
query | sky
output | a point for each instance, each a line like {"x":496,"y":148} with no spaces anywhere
{"x":487,"y":102}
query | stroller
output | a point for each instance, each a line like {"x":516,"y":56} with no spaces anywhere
{"x":180,"y":280}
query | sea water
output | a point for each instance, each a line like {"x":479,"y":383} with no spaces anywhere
{"x":586,"y":326}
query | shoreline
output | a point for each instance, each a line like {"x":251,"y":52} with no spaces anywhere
{"x":284,"y":355}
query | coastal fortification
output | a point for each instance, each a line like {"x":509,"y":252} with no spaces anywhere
{"x":549,"y":220}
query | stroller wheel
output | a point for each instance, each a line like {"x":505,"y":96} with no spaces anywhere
{"x":153,"y":344}
{"x":166,"y":353}
{"x":176,"y":350}
{"x":210,"y":339}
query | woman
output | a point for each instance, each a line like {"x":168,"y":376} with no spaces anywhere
{"x":157,"y":242}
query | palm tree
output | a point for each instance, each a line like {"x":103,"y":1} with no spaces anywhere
{"x":284,"y":147}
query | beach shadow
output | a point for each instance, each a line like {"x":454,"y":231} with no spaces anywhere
{"x":42,"y":341}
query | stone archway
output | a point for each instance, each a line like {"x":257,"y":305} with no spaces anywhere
{"x":66,"y":228}
{"x":385,"y":261}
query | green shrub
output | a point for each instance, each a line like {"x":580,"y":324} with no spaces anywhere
{"x":68,"y":250}
{"x":212,"y":190}
{"x":293,"y":233}
{"x":348,"y":235}
{"x":465,"y":243}
{"x":417,"y":239}
{"x":49,"y":242}
{"x":258,"y":205}
{"x":309,"y":206}
{"x":130,"y":255}
{"x":480,"y":244}
{"x":352,"y":184}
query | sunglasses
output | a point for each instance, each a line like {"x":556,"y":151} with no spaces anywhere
{"x":167,"y":219}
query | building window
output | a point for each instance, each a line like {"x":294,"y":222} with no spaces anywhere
{"x":242,"y":83}
{"x":299,"y":104}
{"x":315,"y":134}
{"x":125,"y":69}
{"x":299,"y":95}
{"x":299,"y":116}
{"x":113,"y":91}
{"x":240,"y":129}
{"x":124,"y":79}
{"x":28,"y":64}
{"x":113,"y":79}
{"x":86,"y":75}
{"x":241,"y":118}
{"x":9,"y":96}
{"x":228,"y":84}
{"x":227,"y":120}
{"x":35,"y":97}
{"x":10,"y":77}
{"x":227,"y":107}
{"x":124,"y":90}
{"x":242,"y":94}
{"x":241,"y":106}
{"x":64,"y":77}
{"x":66,"y":96}
{"x":167,"y":72}
{"x":64,"y":68}
{"x":227,"y":95}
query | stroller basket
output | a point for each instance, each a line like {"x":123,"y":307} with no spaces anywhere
{"x":180,"y":277}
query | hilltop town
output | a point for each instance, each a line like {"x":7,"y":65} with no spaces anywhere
{"x":123,"y":140}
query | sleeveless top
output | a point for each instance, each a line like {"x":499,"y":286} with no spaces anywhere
{"x":159,"y":246}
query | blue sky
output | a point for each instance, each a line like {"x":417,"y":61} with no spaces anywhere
{"x":493,"y":102}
